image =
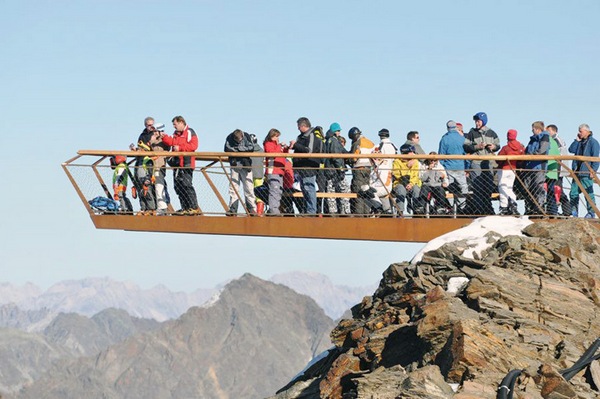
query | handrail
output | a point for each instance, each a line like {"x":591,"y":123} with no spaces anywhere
{"x":404,"y":220}
{"x":213,"y":156}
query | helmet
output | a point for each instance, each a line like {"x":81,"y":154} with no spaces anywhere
{"x":354,"y":133}
{"x":481,"y":116}
{"x":116,"y":160}
{"x":384,"y":133}
{"x":406,"y":148}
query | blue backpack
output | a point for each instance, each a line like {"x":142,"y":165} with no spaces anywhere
{"x":104,"y":204}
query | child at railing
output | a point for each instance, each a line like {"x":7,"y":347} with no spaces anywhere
{"x":120,"y":177}
{"x":506,"y":175}
{"x":434,"y":180}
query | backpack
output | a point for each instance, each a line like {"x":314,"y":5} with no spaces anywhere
{"x":104,"y":204}
{"x":318,"y":144}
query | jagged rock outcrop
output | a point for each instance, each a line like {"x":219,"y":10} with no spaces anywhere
{"x":239,"y":347}
{"x":530,"y":302}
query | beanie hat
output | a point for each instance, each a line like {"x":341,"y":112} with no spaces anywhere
{"x":384,"y":133}
{"x":481,"y":116}
{"x":512,"y":134}
{"x":458,"y":124}
{"x":451,"y":125}
{"x":335,"y":127}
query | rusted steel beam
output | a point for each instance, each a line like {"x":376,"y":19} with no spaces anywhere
{"x":343,"y":228}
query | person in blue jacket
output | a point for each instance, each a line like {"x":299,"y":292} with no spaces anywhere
{"x":452,"y":143}
{"x":535,"y":171}
{"x":587,"y":146}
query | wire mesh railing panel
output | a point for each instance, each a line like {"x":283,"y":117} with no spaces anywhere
{"x":407,"y":187}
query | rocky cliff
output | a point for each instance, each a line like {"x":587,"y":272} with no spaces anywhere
{"x":452,"y":325}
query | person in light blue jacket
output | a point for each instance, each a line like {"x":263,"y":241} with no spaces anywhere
{"x":535,"y":171}
{"x":452,"y":143}
{"x":587,"y":146}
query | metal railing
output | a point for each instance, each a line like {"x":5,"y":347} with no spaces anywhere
{"x":343,"y":192}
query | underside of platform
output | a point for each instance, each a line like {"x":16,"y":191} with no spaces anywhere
{"x":342,"y":228}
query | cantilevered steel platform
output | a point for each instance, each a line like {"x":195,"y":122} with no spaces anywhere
{"x":89,"y":171}
{"x":342,"y":228}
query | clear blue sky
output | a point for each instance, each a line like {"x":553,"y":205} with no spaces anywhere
{"x":84,"y":74}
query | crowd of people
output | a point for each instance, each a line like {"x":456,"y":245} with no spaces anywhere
{"x":382,"y":186}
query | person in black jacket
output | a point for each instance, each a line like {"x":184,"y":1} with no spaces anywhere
{"x":307,"y":168}
{"x":241,"y":172}
{"x":481,"y":140}
{"x":335,"y":172}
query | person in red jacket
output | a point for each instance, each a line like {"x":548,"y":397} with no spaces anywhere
{"x":274,"y":171}
{"x":184,"y":139}
{"x":506,"y":175}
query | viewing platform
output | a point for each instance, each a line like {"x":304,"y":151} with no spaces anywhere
{"x":91,"y":175}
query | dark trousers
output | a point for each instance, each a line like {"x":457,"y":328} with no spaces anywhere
{"x":536,"y":198}
{"x":482,"y":183}
{"x":437,"y":193}
{"x":184,"y":188}
{"x":360,"y":177}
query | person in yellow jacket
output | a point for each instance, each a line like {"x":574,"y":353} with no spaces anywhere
{"x":407,"y":183}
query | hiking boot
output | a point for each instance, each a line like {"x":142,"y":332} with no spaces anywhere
{"x":418,"y":210}
{"x":194,"y":212}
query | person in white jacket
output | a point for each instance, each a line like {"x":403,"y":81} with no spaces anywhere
{"x":381,"y":174}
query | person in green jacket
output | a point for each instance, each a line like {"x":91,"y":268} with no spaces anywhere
{"x":552,"y":180}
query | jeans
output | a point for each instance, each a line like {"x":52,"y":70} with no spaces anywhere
{"x":309,"y":191}
{"x":588,"y":185}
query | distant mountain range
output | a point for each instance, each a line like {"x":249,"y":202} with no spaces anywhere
{"x":334,"y":299}
{"x":245,"y":343}
{"x":30,"y":308}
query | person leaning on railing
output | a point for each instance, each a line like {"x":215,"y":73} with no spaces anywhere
{"x":587,"y":146}
{"x":241,"y":172}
